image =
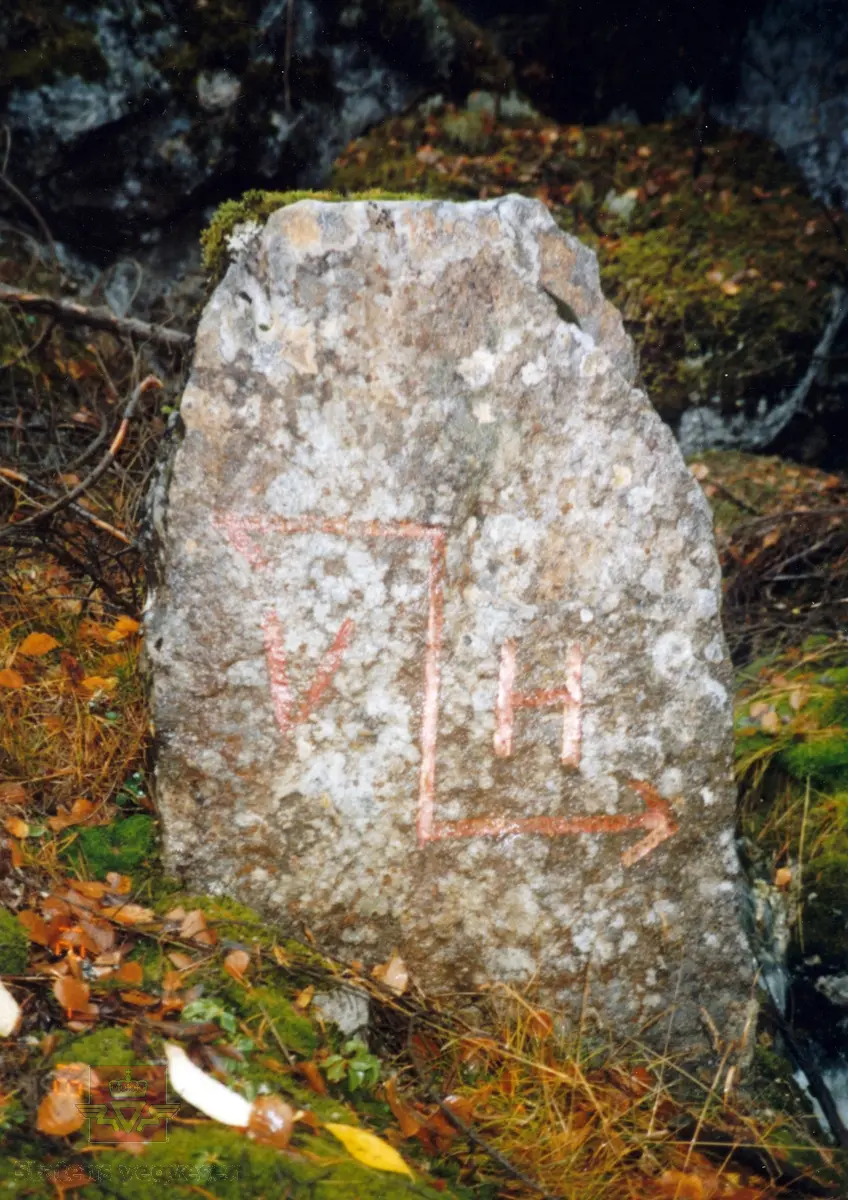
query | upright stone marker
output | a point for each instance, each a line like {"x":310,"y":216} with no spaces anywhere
{"x":438,"y":664}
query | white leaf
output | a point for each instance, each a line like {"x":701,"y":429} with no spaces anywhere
{"x":10,"y":1011}
{"x":207,"y":1095}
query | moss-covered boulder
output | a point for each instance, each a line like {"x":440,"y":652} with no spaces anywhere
{"x":129,"y":115}
{"x":725,"y":277}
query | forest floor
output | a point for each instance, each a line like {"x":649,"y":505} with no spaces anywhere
{"x":108,"y":966}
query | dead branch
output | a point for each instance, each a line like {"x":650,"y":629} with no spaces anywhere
{"x":66,"y":312}
{"x":102,"y":466}
{"x":7,"y":473}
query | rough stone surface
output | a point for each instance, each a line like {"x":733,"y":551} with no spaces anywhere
{"x":437,"y":658}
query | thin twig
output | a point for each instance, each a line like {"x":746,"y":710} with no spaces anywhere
{"x":69,"y":313}
{"x":103,"y":465}
{"x":12,"y":476}
{"x":836,"y":510}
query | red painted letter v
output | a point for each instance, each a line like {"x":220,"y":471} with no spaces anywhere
{"x":285,"y":713}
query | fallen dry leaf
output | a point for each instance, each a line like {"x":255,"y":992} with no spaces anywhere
{"x":60,"y":1113}
{"x":130,"y":972}
{"x":123,"y":628}
{"x":72,"y":994}
{"x":406,"y":1117}
{"x":311,"y":1072}
{"x":271,"y":1121}
{"x":9,"y":678}
{"x":393,"y":975}
{"x":236,"y":963}
{"x":194,"y":928}
{"x":368,"y":1149}
{"x":129,"y":914}
{"x":12,"y":793}
{"x":304,"y":998}
{"x":35,"y":926}
{"x":783,"y":877}
{"x":99,"y":683}
{"x":181,"y":961}
{"x":75,"y":815}
{"x":36,"y":644}
{"x":16,"y":826}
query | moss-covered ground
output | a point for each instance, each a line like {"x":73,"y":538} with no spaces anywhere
{"x":724,"y":277}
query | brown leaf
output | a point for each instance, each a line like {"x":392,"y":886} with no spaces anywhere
{"x":181,"y":961}
{"x":139,"y":999}
{"x":9,"y":678}
{"x":130,"y":972}
{"x":16,"y":826}
{"x":98,"y":683}
{"x":304,"y":998}
{"x":406,"y":1118}
{"x":540,"y":1024}
{"x":75,"y":815}
{"x":271,"y":1121}
{"x":681,"y":1186}
{"x":236,"y":963}
{"x":72,"y":994}
{"x":37,"y":644}
{"x":393,"y":975}
{"x":123,"y":628}
{"x":130,"y":914}
{"x":311,"y":1072}
{"x":783,"y":877}
{"x":12,"y":793}
{"x":35,"y":926}
{"x":194,"y":928}
{"x":59,"y":1113}
{"x":119,"y":885}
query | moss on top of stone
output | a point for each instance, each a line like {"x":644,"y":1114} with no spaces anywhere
{"x":257,"y":206}
{"x":14,"y":945}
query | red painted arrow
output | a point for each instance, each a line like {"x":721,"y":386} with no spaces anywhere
{"x":657,"y":819}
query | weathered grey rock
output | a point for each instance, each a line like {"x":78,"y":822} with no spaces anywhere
{"x":437,"y":658}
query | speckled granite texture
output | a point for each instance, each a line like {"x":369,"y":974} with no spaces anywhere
{"x":436,"y":651}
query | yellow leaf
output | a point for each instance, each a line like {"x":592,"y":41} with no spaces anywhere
{"x":123,"y":628}
{"x":37,"y":644}
{"x":97,"y":683}
{"x":16,"y":827}
{"x":730,"y":288}
{"x":370,"y":1150}
{"x":10,"y":678}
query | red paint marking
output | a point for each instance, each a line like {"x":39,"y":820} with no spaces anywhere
{"x":570,"y":697}
{"x":241,"y":532}
{"x":430,"y":706}
{"x":656,"y":818}
{"x":281,"y":693}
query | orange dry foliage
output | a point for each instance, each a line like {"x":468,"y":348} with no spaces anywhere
{"x":72,"y":717}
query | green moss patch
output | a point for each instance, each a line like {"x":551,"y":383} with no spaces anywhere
{"x":121,"y":846}
{"x":792,"y":758}
{"x":14,"y":945}
{"x":257,"y":206}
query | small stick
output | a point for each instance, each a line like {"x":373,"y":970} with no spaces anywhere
{"x":103,"y":465}
{"x":6,"y":473}
{"x":66,"y":312}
